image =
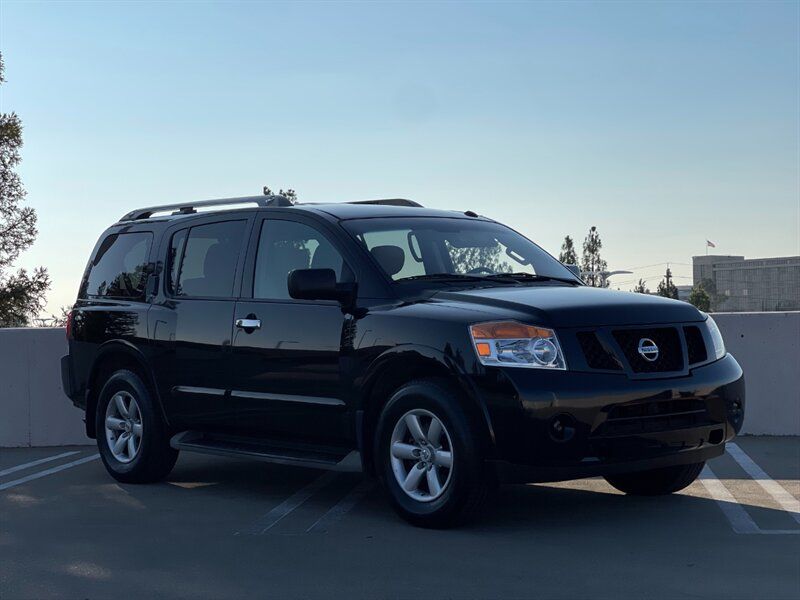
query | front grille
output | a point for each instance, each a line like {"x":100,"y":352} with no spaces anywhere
{"x":597,"y":357}
{"x":695,"y":346}
{"x":670,"y":354}
{"x":653,"y":417}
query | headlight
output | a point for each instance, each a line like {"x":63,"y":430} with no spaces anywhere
{"x":512,"y":344}
{"x":716,"y":338}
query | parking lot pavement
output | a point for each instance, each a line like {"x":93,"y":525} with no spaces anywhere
{"x":226,"y":528}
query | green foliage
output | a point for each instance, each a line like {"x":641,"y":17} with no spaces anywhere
{"x":592,"y":264}
{"x":666,"y":288}
{"x":289,"y":193}
{"x":641,"y":288}
{"x":715,"y":299}
{"x":568,"y":256}
{"x":700,"y":298}
{"x":22,"y":295}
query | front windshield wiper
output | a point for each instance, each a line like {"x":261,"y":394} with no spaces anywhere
{"x":459,"y":277}
{"x":530,"y":277}
{"x":501,"y":278}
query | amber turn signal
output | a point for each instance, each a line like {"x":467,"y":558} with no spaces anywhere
{"x":507,"y":330}
{"x":483,"y":349}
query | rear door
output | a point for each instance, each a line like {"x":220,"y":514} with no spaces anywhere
{"x":193,"y":320}
{"x":286,"y":373}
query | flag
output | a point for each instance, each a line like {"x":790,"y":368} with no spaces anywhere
{"x":710,"y":244}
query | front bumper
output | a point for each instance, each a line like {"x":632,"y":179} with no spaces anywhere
{"x":551,"y":426}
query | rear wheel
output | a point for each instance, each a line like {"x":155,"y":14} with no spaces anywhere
{"x":429,"y":457}
{"x":656,"y":482}
{"x":131,"y":434}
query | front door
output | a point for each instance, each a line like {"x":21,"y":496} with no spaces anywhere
{"x":286,"y":375}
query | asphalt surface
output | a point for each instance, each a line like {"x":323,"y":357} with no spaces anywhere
{"x":221,"y":528}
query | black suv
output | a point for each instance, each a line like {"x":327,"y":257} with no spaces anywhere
{"x":441,"y":351}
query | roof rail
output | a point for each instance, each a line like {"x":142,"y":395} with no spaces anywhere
{"x":389,"y":202}
{"x":191,"y":207}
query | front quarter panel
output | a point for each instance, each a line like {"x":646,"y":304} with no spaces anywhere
{"x":390,"y":338}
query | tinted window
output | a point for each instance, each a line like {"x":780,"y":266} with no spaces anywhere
{"x":405,"y":240}
{"x":176,"y":247}
{"x":206,"y":259}
{"x":119,"y":268}
{"x":284,"y":246}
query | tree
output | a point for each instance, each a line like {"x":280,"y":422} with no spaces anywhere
{"x":666,"y":288}
{"x":715,"y":299}
{"x":568,"y":256}
{"x":478,"y":257}
{"x":290,"y":194}
{"x":592,"y":264}
{"x":21,"y":293}
{"x":641,"y":288}
{"x":700,"y":298}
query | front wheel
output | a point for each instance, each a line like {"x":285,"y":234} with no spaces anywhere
{"x":429,"y":457}
{"x":131,"y":434}
{"x":656,"y":482}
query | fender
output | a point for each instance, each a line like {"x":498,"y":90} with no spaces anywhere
{"x":403,"y":354}
{"x":128,"y":349}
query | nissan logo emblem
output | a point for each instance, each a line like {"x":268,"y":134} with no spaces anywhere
{"x":648,"y":349}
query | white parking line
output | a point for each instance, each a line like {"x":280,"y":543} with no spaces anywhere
{"x":46,"y":472}
{"x":35,"y":463}
{"x":788,"y":502}
{"x":342,"y":507}
{"x":274,"y":516}
{"x":738,"y":517}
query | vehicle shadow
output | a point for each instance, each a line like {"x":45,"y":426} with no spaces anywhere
{"x":584,"y":505}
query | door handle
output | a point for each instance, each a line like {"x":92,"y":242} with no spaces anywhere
{"x":248,"y":323}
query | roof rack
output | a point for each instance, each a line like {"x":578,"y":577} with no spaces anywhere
{"x":388,"y":202}
{"x":186,"y":208}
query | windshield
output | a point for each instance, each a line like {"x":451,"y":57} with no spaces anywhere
{"x":409,"y":248}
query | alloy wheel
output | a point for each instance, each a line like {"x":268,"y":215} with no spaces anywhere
{"x":123,"y":426}
{"x":421,"y":455}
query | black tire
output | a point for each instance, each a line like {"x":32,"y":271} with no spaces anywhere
{"x":155,"y":458}
{"x":466,"y":489}
{"x":656,"y":482}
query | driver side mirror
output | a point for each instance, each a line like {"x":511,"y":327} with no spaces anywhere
{"x":319,"y":284}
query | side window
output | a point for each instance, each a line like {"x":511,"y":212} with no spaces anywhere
{"x":119,"y":268}
{"x":284,"y":246}
{"x":176,"y":247}
{"x":203,"y":259}
{"x":405,"y":246}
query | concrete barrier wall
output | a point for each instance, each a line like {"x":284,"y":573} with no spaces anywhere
{"x":33,"y":408}
{"x":767,"y":345}
{"x":35,"y":412}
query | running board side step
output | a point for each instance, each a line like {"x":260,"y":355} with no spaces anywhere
{"x":331,"y":459}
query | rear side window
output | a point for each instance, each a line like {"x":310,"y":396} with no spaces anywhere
{"x":203,"y":259}
{"x":119,"y":268}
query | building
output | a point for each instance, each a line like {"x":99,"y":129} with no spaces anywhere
{"x":736,"y":284}
{"x":683,"y":292}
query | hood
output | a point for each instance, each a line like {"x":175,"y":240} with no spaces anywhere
{"x":581,"y":306}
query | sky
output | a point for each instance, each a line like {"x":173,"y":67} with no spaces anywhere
{"x":663,"y":124}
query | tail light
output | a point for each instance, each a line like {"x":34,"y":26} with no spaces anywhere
{"x":70,"y":319}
